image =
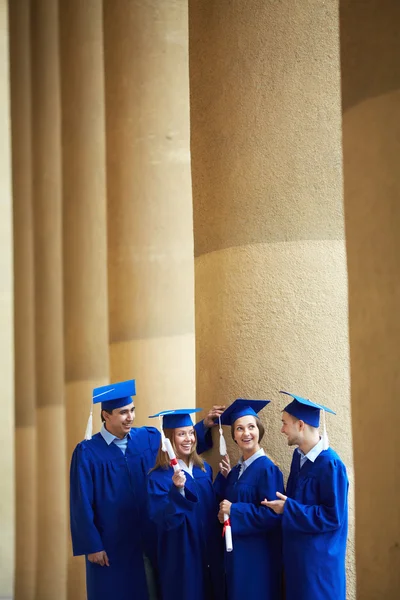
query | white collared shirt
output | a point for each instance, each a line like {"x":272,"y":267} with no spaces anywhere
{"x":184,"y":467}
{"x":188,"y":469}
{"x":312,"y":454}
{"x":244,"y":464}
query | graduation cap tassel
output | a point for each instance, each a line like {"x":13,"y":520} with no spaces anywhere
{"x":325,"y":439}
{"x":89,"y":427}
{"x":222,"y":443}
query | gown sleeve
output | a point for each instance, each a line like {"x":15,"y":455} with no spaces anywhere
{"x":167,"y":506}
{"x":85,"y":536}
{"x":204,"y":437}
{"x":329,"y":514}
{"x":220,"y":485}
{"x":251,"y":519}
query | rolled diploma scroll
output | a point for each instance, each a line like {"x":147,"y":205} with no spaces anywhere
{"x":227,"y":532}
{"x":172,"y":458}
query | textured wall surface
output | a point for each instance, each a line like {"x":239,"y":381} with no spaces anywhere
{"x":7,"y":496}
{"x":84,"y":225}
{"x":150,"y":227}
{"x":371,"y":151}
{"x":24,"y":317}
{"x":271,"y":285}
{"x":52,"y":506}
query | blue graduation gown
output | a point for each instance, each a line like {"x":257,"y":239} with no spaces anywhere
{"x":190,"y":552}
{"x":108,"y":505}
{"x":254,"y":566}
{"x":314,"y":526}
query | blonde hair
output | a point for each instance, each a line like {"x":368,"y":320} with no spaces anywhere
{"x":162,"y":459}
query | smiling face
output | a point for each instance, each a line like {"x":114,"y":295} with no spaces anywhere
{"x":292,"y":428}
{"x":120,"y":421}
{"x":184,"y":442}
{"x":246,"y":435}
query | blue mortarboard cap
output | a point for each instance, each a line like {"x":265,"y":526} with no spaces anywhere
{"x":241,"y":408}
{"x":305,"y":410}
{"x":115,"y":395}
{"x":176,"y":418}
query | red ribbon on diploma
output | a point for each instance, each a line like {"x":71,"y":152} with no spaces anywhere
{"x":227,"y":523}
{"x":173,"y":462}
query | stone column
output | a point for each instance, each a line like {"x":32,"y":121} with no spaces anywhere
{"x":271,"y":286}
{"x":371,"y":149}
{"x":7,"y":436}
{"x":150,"y":227}
{"x":84,"y":225}
{"x":24,"y":325}
{"x":52,"y":510}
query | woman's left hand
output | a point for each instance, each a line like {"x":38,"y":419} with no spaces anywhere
{"x":224,"y":509}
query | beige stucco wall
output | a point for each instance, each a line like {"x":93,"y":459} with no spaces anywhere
{"x":7,"y":463}
{"x":371,"y":150}
{"x":52,"y":505}
{"x":150,"y":227}
{"x":84,"y":227}
{"x":271,"y":281}
{"x":24,"y":314}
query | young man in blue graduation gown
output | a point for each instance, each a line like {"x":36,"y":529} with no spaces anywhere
{"x":254,"y":567}
{"x":184,"y":507}
{"x":108,"y":500}
{"x":314,"y":510}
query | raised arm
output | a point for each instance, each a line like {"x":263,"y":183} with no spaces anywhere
{"x":330,"y":513}
{"x":167,"y":505}
{"x":251,"y":519}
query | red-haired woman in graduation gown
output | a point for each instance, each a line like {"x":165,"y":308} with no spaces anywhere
{"x":254,"y":567}
{"x":184,"y":507}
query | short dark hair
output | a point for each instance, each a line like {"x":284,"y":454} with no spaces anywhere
{"x":108,"y":411}
{"x":260,"y":428}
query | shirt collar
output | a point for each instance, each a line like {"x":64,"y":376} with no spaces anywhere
{"x":247,"y":463}
{"x":184,"y":467}
{"x":109,"y":437}
{"x":314,"y":452}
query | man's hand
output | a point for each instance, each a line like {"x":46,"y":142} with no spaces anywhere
{"x":214,"y":413}
{"x":224,"y":509}
{"x":99,"y":558}
{"x":277,"y":506}
{"x":225,"y":466}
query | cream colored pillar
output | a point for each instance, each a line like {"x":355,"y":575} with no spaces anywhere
{"x":271,"y":287}
{"x":24,"y":325}
{"x":7,"y":437}
{"x":371,"y":147}
{"x":149,"y":201}
{"x":52,"y":510}
{"x":84,"y":226}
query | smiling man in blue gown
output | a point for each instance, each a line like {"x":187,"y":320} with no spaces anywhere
{"x":314,"y":510}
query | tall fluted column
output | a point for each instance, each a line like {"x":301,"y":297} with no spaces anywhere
{"x":271,"y":286}
{"x":150,"y":227}
{"x":24,"y":326}
{"x":7,"y":436}
{"x":370,"y":46}
{"x":52,"y":509}
{"x":84,"y":225}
